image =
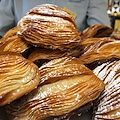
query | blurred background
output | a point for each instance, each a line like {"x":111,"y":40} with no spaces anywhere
{"x":114,"y":14}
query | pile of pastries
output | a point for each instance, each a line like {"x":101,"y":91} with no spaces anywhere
{"x":48,"y":69}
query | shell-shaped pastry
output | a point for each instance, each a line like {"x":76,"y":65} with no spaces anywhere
{"x":49,"y":26}
{"x":14,"y":44}
{"x":89,"y":41}
{"x":104,"y":49}
{"x":66,"y":85}
{"x":107,"y":106}
{"x":9,"y":33}
{"x":18,"y":76}
{"x":40,"y":54}
{"x":97,"y":31}
{"x":11,"y":42}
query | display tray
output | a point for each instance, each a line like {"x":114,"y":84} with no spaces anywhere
{"x":85,"y":116}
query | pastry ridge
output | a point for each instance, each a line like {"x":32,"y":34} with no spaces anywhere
{"x":18,"y":76}
{"x":49,"y":26}
{"x":107,"y":105}
{"x":68,"y":92}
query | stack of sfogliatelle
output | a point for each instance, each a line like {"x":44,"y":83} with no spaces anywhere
{"x":48,"y":68}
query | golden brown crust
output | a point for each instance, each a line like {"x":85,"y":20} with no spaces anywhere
{"x":49,"y":26}
{"x":108,"y":105}
{"x":45,"y":54}
{"x":11,"y":42}
{"x":51,"y":10}
{"x":18,"y":76}
{"x":89,"y":41}
{"x":66,"y":85}
{"x":14,"y":44}
{"x":115,"y":36}
{"x":49,"y":54}
{"x":61,"y":68}
{"x":97,"y":31}
{"x":104,"y":49}
{"x":10,"y":33}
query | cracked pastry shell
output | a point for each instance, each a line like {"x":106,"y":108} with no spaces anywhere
{"x":49,"y":26}
{"x":18,"y":76}
{"x":107,"y":106}
{"x":65,"y":85}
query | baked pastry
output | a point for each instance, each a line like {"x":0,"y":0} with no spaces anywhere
{"x":97,"y":31}
{"x":10,"y":33}
{"x":101,"y":50}
{"x":49,"y":26}
{"x":11,"y":42}
{"x":115,"y":36}
{"x":107,"y":106}
{"x":86,"y":43}
{"x":41,"y":55}
{"x":18,"y":76}
{"x":65,"y":85}
{"x":14,"y":44}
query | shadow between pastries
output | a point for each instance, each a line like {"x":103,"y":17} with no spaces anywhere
{"x":42,"y":55}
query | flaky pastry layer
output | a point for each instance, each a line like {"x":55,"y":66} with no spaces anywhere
{"x":97,"y":31}
{"x":49,"y":26}
{"x":100,"y":50}
{"x":108,"y":104}
{"x":18,"y":76}
{"x":11,"y":42}
{"x":66,"y":85}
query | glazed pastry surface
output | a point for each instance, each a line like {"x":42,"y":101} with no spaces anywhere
{"x":86,"y":43}
{"x":115,"y":36}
